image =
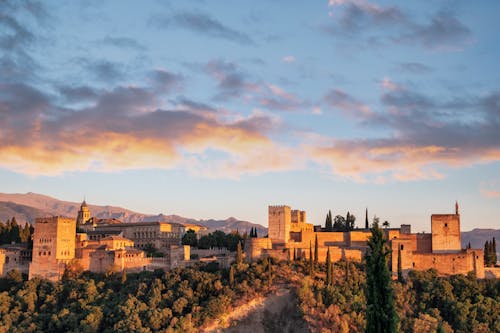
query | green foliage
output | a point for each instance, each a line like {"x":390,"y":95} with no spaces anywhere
{"x":490,"y":253}
{"x":380,"y":312}
{"x":152,"y":251}
{"x":219,"y":239}
{"x":11,"y":232}
{"x":190,"y":238}
{"x":328,"y":221}
{"x":180,"y":300}
{"x":316,"y":250}
{"x":239,"y":254}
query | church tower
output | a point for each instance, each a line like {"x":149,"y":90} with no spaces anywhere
{"x":83,"y":214}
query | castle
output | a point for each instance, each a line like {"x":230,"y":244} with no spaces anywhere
{"x":102,"y":245}
{"x":291,"y":236}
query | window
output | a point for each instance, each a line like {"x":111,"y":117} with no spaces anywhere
{"x":446,"y":225}
{"x":7,"y":259}
{"x":402,"y":247}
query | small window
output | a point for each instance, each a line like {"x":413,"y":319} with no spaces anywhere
{"x":7,"y":259}
{"x":402,"y":247}
{"x":446,"y":225}
{"x":413,"y":265}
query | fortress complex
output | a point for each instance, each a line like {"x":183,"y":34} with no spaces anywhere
{"x":102,"y":245}
{"x":291,"y":235}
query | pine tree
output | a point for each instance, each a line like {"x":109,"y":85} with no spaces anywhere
{"x":316,"y":250}
{"x":366,"y":219}
{"x":380,"y":312}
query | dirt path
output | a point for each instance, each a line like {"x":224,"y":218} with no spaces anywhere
{"x":277,"y":312}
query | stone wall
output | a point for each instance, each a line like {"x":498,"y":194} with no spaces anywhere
{"x":279,"y":222}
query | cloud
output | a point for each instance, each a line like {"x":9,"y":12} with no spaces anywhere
{"x":443,"y":32}
{"x":122,"y":42}
{"x":165,"y":81}
{"x":126,"y":128}
{"x":103,"y":70}
{"x":423,"y":137}
{"x":274,"y":97}
{"x":490,"y":189}
{"x":202,"y":24}
{"x":414,"y":68}
{"x":232,"y":82}
{"x":375,"y":24}
{"x":338,"y":99}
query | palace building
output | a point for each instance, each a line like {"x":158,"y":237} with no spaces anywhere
{"x":290,"y":235}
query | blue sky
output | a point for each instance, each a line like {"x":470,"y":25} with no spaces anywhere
{"x":210,"y":109}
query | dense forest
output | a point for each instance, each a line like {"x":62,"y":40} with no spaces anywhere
{"x":424,"y":301}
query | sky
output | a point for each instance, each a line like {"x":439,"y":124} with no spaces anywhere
{"x":210,"y":109}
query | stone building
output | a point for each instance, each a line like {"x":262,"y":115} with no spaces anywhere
{"x":53,"y":246}
{"x":83,"y":214}
{"x":290,"y":234}
{"x":16,"y":256}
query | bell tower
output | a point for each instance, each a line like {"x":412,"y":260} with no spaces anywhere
{"x":83,"y":214}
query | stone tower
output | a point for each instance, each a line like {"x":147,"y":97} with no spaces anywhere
{"x":446,"y":232}
{"x":83,"y":214}
{"x":53,"y":247}
{"x":280,"y":219}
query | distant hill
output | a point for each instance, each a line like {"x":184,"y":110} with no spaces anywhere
{"x":26,"y":207}
{"x":477,"y":238}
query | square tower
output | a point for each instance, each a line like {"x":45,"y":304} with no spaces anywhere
{"x":280,"y":219}
{"x":445,"y":233}
{"x":53,"y":247}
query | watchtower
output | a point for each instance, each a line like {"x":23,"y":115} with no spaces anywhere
{"x":446,"y":232}
{"x":53,"y":246}
{"x":280,"y":219}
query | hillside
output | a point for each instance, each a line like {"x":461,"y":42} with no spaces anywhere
{"x":27,"y":207}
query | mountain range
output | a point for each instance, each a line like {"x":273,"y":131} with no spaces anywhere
{"x":25,"y":207}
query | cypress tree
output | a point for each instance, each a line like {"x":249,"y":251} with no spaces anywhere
{"x":316,"y":250}
{"x":270,"y":273}
{"x":294,"y":254}
{"x":381,"y":315}
{"x":328,"y":268}
{"x":366,"y":219}
{"x":311,"y":267}
{"x":494,"y":251}
{"x":400,"y":266}
{"x":329,"y":221}
{"x":239,"y":254}
{"x":231,"y":276}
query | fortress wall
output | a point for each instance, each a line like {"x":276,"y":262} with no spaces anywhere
{"x":446,"y":263}
{"x":254,"y":247}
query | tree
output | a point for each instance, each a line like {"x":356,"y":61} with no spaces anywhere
{"x":316,"y":250}
{"x":339,"y":223}
{"x":386,"y":224}
{"x":311,"y":266}
{"x":190,"y":239}
{"x":328,"y":268}
{"x":239,"y":254}
{"x":231,"y":276}
{"x":494,"y":250}
{"x":124,"y":276}
{"x":366,"y":219}
{"x":380,"y":311}
{"x":400,"y":265}
{"x":328,"y":221}
{"x":349,"y":221}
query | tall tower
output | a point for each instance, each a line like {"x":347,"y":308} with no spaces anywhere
{"x":280,"y":219}
{"x":446,"y":232}
{"x":83,"y":214}
{"x":53,"y":247}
